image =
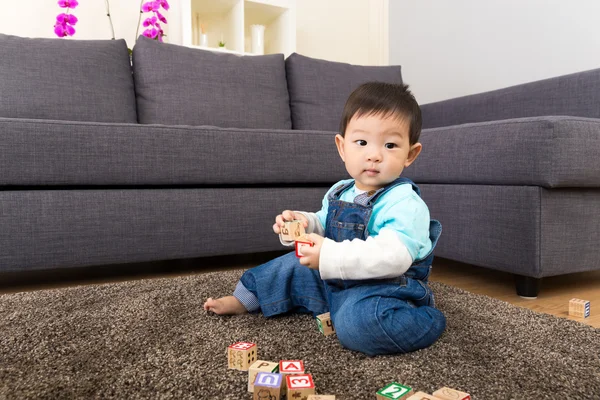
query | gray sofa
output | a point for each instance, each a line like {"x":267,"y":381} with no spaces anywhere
{"x":514,"y":176}
{"x":191,"y":155}
{"x":185,"y":153}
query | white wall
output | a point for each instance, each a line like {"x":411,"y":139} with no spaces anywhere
{"x":460,"y":47}
{"x":335,"y":30}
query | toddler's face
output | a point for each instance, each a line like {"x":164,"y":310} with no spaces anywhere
{"x":376,"y":149}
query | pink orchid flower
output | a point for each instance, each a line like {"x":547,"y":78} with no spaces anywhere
{"x":68,"y":3}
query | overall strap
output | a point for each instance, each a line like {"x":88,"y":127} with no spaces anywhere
{"x":337,"y":192}
{"x":399,"y":181}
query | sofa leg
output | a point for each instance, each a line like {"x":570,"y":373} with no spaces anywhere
{"x":527,"y":286}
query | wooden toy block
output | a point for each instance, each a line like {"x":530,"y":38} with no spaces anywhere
{"x":579,"y":308}
{"x":302,"y":242}
{"x":260,"y":366}
{"x":299,"y":386}
{"x":268,"y":386}
{"x":423,"y":396}
{"x":447,"y":393}
{"x":321,"y":397}
{"x":325,"y":324}
{"x":292,"y":230}
{"x":241,"y":355}
{"x":287,"y":367}
{"x":393,"y":390}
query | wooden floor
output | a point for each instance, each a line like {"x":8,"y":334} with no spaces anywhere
{"x":553,"y":298}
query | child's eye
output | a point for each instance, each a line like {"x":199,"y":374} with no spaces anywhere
{"x":390,"y":145}
{"x":361,"y":142}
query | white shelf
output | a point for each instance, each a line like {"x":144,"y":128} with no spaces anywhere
{"x":275,"y":3}
{"x":220,"y":50}
{"x":230,"y":20}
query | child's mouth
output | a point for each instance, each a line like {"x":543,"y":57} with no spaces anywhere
{"x":371,"y":172}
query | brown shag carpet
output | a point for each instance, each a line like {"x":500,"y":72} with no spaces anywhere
{"x":151,"y":339}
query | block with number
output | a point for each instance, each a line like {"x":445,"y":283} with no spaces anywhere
{"x":241,"y":355}
{"x":579,"y":308}
{"x":325,"y":324}
{"x":299,"y":386}
{"x":292,"y":230}
{"x":268,"y":386}
{"x":287,"y":367}
{"x":423,"y":396}
{"x":393,"y":391}
{"x":321,"y":397}
{"x":260,"y":366}
{"x":447,"y":393}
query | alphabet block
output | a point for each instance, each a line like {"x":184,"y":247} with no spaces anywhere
{"x":393,"y":390}
{"x":241,"y":355}
{"x":447,"y":393}
{"x":302,"y":242}
{"x":423,"y":396}
{"x":299,"y":386}
{"x":260,"y":366}
{"x":325,"y":324}
{"x":579,"y":308}
{"x":287,"y":367}
{"x":268,"y":386}
{"x":292,"y":230}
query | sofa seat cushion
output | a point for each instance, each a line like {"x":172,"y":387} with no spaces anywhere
{"x":71,"y":80}
{"x":177,"y":85}
{"x":37,"y":153}
{"x":319,"y":88}
{"x":550,"y":152}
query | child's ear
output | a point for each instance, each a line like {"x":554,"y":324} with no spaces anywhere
{"x":413,"y":153}
{"x":339,"y":143}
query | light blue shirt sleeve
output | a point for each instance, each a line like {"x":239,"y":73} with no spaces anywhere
{"x":404,"y":212}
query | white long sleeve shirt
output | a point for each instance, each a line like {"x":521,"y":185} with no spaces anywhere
{"x":398,"y":235}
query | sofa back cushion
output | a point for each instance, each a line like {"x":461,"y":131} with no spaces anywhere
{"x":319,"y":89}
{"x":73,"y":80}
{"x":576,"y":95}
{"x":177,"y":85}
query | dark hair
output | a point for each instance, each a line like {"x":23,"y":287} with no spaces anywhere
{"x":384,"y":99}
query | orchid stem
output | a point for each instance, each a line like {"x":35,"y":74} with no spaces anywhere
{"x":139,"y":21}
{"x":112,"y":28}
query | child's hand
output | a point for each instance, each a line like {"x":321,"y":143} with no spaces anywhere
{"x":312,"y":254}
{"x":288,"y":215}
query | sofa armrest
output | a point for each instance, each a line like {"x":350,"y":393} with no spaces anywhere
{"x":575,"y":94}
{"x":550,"y":152}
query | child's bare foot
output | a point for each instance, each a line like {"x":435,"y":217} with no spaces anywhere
{"x":225,"y":306}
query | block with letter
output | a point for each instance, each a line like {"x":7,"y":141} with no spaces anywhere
{"x":299,"y":386}
{"x":423,"y":396}
{"x":241,"y":355}
{"x":393,"y":390}
{"x":325,"y":324}
{"x":321,"y":397}
{"x":301,"y":243}
{"x":287,"y":367}
{"x":260,"y":366}
{"x":447,"y":393}
{"x":292,"y":230}
{"x":268,"y":386}
{"x":579,"y":308}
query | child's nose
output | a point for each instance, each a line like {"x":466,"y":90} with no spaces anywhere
{"x":374,"y":155}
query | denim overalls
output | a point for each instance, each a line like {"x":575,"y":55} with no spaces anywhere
{"x":379,"y":316}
